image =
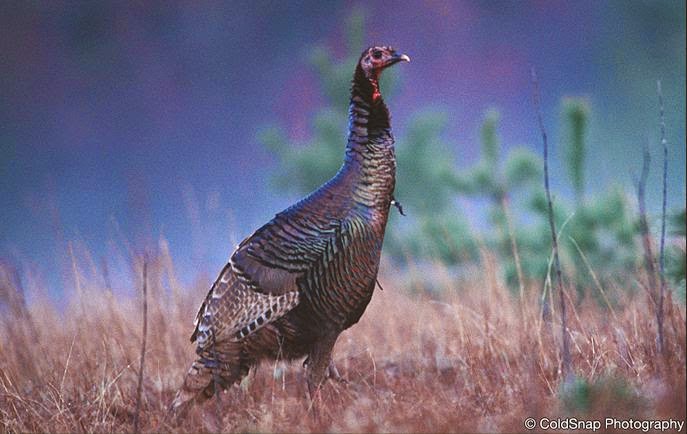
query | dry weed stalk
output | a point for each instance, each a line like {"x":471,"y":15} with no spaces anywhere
{"x":566,"y":362}
{"x":649,"y":259}
{"x":139,"y":388}
{"x":664,"y":144}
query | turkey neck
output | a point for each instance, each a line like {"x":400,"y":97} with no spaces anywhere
{"x":370,"y":155}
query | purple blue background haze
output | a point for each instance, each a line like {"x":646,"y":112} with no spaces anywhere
{"x":120,"y":124}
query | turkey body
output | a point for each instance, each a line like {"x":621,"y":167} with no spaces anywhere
{"x":336,"y":291}
{"x":295,"y":284}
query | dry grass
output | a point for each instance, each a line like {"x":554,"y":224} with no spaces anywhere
{"x":465,"y":360}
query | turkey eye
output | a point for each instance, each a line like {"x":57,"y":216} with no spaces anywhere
{"x":377,"y":54}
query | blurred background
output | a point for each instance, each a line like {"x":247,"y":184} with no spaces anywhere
{"x":177,"y":127}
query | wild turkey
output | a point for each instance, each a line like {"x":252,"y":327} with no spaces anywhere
{"x":293,"y":286}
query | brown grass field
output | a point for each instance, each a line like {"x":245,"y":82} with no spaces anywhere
{"x":472,"y":357}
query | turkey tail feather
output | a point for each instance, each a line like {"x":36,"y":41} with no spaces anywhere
{"x":215,"y":367}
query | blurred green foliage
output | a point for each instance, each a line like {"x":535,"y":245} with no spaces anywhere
{"x":601,"y":396}
{"x":598,"y":233}
{"x":676,"y":259}
{"x":576,"y":114}
{"x":492,"y":178}
{"x":499,"y":181}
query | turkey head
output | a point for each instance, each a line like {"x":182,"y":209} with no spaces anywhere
{"x":375,"y":59}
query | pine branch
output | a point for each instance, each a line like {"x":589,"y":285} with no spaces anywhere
{"x":566,"y":362}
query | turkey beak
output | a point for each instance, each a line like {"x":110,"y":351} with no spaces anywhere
{"x":398,"y":58}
